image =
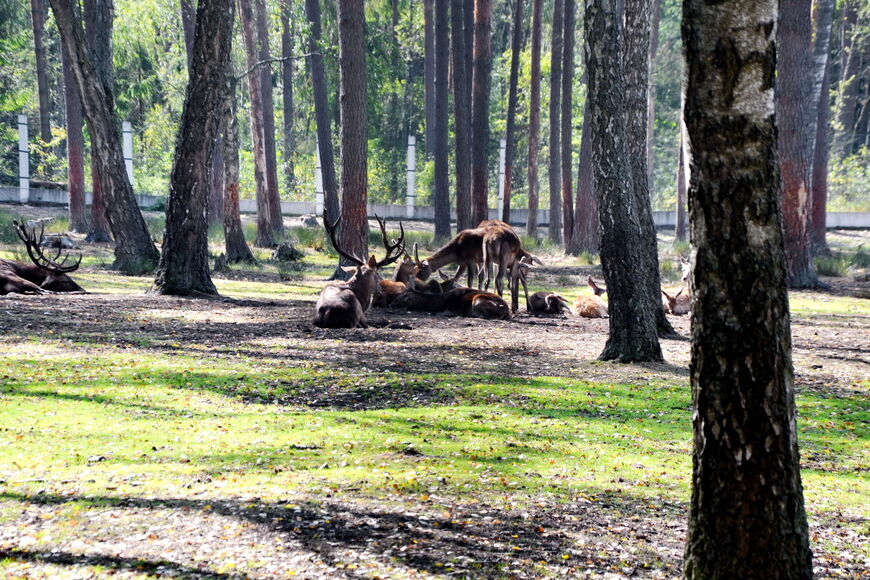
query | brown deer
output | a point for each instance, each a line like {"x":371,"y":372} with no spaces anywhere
{"x":389,"y":290}
{"x":678,"y":304}
{"x":547,"y":303}
{"x":343,"y":305}
{"x":591,"y":306}
{"x":473,"y":303}
{"x":465,"y":249}
{"x":502,"y":248}
{"x":45,"y":274}
{"x":427,"y":297}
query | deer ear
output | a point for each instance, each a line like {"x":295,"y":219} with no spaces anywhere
{"x":373,"y":262}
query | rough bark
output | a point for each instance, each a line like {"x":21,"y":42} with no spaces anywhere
{"x":632,"y":322}
{"x":510,"y":138}
{"x":134,"y":250}
{"x":265,"y":231}
{"x":555,"y":158}
{"x":462,"y":114}
{"x":747,"y":515}
{"x":287,"y":65}
{"x":567,"y":120}
{"x":429,"y":73}
{"x":651,"y":96}
{"x":480,"y":83}
{"x":823,"y":17}
{"x":75,"y":147}
{"x":534,"y":119}
{"x":188,"y":25}
{"x":183,"y":269}
{"x":585,"y":235}
{"x":321,"y":113}
{"x":442,"y":170}
{"x":234,"y":236}
{"x":37,"y":10}
{"x":265,"y":70}
{"x":796,"y":135}
{"x":635,"y":62}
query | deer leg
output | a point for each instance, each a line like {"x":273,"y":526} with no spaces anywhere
{"x":499,"y":278}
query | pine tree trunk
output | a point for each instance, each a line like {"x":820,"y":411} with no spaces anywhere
{"x":442,"y":169}
{"x":823,"y":17}
{"x":429,"y":73}
{"x":510,"y":138}
{"x":632,"y":322}
{"x":796,"y":135}
{"x":534,"y":119}
{"x":847,"y":97}
{"x":462,"y":115}
{"x":265,"y":231}
{"x":287,"y":82}
{"x":555,"y":160}
{"x":234,"y":236}
{"x":585,"y":235}
{"x":183,"y":269}
{"x":681,"y":227}
{"x":134,"y":250}
{"x":265,"y":70}
{"x":75,"y":149}
{"x":651,"y":96}
{"x":567,"y":121}
{"x":480,"y":83}
{"x":747,"y":516}
{"x":321,"y":113}
{"x":38,"y":15}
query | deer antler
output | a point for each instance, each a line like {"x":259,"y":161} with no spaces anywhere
{"x":37,"y":256}
{"x":397,"y":244}
{"x":330,"y":229}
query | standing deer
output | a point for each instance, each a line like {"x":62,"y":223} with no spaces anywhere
{"x":45,"y":274}
{"x":343,"y":305}
{"x":502,"y":248}
{"x":465,"y":249}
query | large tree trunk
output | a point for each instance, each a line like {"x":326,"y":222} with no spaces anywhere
{"x":567,"y":120}
{"x":134,"y":250}
{"x":481,"y":79}
{"x":510,"y":138}
{"x":287,"y":82}
{"x":823,"y":16}
{"x":632,"y":321}
{"x":265,"y":231}
{"x":75,"y":149}
{"x":462,"y":114}
{"x":534,"y":119}
{"x":747,"y":515}
{"x":635,"y":62}
{"x":183,"y":269}
{"x":442,"y":169}
{"x":651,"y":96}
{"x":37,"y":10}
{"x":429,"y":73}
{"x":796,"y":135}
{"x":354,"y":128}
{"x":234,"y":236}
{"x":265,"y":71}
{"x":555,"y":161}
{"x":188,"y":25}
{"x":585,"y":235}
{"x":321,"y":113}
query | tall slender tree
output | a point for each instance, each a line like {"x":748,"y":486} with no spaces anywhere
{"x":823,"y":16}
{"x":481,"y":79}
{"x":75,"y":149}
{"x":287,"y":65}
{"x":462,"y":114}
{"x":534,"y":119}
{"x":429,"y":72}
{"x":183,"y":268}
{"x":651,"y":95}
{"x":265,"y":72}
{"x":442,"y":170}
{"x":850,"y":65}
{"x":37,"y":10}
{"x":747,"y":516}
{"x":567,"y":148}
{"x":555,"y":162}
{"x":632,"y":334}
{"x":585,"y":235}
{"x":510,"y":138}
{"x":234,"y":236}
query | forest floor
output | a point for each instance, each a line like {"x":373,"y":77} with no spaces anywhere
{"x":148,"y":436}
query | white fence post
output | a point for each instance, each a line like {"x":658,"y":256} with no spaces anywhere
{"x":318,"y":181}
{"x":23,"y":160}
{"x":501,"y":161}
{"x":127,"y":146}
{"x":411,"y":196}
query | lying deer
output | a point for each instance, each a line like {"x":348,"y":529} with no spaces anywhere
{"x":547,"y":303}
{"x":591,"y":306}
{"x":473,"y":303}
{"x":678,"y":304}
{"x":45,"y":274}
{"x":389,"y":290}
{"x":426,"y":297}
{"x":343,"y":305}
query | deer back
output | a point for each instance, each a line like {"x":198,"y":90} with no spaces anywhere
{"x":338,"y":307}
{"x":590,"y":307}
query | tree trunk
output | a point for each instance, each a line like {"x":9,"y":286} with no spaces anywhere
{"x":651,"y":97}
{"x":635,"y":62}
{"x":534,"y":119}
{"x":510,"y":139}
{"x":38,"y":15}
{"x":321,"y":113}
{"x":442,"y":169}
{"x":632,"y":322}
{"x":265,"y":231}
{"x":847,"y":97}
{"x":134,"y":250}
{"x":287,"y":82}
{"x":462,"y":115}
{"x":796,"y":135}
{"x":567,"y":126}
{"x":188,"y":25}
{"x":480,"y":109}
{"x":75,"y":147}
{"x":234,"y":236}
{"x":265,"y":70}
{"x":429,"y":72}
{"x":555,"y":160}
{"x":823,"y":16}
{"x":183,"y":269}
{"x":585,"y":235}
{"x":354,"y":128}
{"x":680,"y":229}
{"x":747,"y":515}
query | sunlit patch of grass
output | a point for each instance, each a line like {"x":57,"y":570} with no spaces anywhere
{"x":815,"y":303}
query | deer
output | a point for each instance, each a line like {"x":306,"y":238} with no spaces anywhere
{"x":678,"y":304}
{"x":403,"y":277}
{"x":591,"y":306}
{"x":465,"y":249}
{"x":343,"y":304}
{"x":502,"y":247}
{"x":473,"y":303}
{"x":46,"y":273}
{"x":427,"y":297}
{"x":544,"y":302}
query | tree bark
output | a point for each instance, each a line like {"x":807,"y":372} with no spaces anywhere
{"x":796,"y":135}
{"x":585,"y":235}
{"x":287,"y":82}
{"x":134,"y":250}
{"x":823,"y":17}
{"x":635,"y":62}
{"x":183,"y":269}
{"x":747,"y":516}
{"x":429,"y":73}
{"x":442,"y":169}
{"x":555,"y":159}
{"x":265,"y":230}
{"x":510,"y":138}
{"x":37,"y":11}
{"x":481,"y":80}
{"x":462,"y":114}
{"x":188,"y":25}
{"x":567,"y":120}
{"x":321,"y":113}
{"x":534,"y":119}
{"x":651,"y":96}
{"x":75,"y":149}
{"x":234,"y":236}
{"x":354,"y":128}
{"x":265,"y":70}
{"x":632,"y":322}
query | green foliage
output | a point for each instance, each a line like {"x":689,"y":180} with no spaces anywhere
{"x":849,"y":182}
{"x":861,"y":258}
{"x":835,"y":264}
{"x":7,"y":231}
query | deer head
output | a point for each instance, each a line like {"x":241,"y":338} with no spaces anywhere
{"x":50,"y":272}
